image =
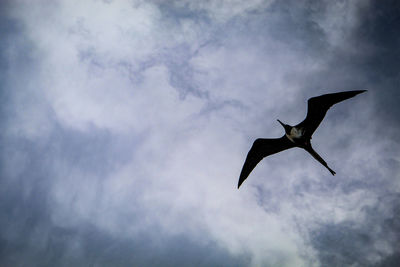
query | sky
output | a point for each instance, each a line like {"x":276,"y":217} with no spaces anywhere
{"x":125,"y":125}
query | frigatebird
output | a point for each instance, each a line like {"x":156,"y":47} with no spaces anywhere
{"x":295,"y":136}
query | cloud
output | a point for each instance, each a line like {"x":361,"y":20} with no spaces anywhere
{"x":371,"y":243}
{"x":131,"y":121}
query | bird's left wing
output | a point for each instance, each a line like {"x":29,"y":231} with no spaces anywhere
{"x":260,"y":149}
{"x":319,"y":105}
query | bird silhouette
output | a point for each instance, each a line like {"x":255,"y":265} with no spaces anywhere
{"x":295,"y":136}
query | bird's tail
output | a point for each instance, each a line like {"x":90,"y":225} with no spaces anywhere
{"x":310,"y":150}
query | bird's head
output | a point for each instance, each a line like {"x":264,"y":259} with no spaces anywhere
{"x":287,"y":127}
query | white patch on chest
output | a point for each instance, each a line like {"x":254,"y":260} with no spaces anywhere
{"x":295,"y":133}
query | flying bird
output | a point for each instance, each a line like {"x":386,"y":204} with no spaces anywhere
{"x":295,"y":136}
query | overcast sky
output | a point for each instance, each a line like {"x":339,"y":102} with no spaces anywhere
{"x":125,"y":124}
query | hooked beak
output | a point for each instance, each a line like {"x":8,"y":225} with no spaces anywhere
{"x":283,"y":125}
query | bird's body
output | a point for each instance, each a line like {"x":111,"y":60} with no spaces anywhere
{"x":295,"y":136}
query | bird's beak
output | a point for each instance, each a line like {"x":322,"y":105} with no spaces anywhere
{"x":283,"y":125}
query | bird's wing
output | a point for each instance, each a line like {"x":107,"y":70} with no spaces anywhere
{"x":319,"y":105}
{"x":260,"y":149}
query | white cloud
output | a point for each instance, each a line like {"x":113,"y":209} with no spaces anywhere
{"x":108,"y":67}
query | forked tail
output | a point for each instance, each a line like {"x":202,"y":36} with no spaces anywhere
{"x":310,"y":150}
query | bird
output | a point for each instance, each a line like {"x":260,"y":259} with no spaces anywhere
{"x":296,"y":136}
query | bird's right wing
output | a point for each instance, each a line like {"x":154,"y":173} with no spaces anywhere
{"x":260,"y":149}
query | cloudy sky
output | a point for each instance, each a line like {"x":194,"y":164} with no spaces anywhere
{"x":125,"y":124}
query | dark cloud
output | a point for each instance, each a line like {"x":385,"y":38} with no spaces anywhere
{"x":370,"y":59}
{"x":373,"y":241}
{"x":379,"y":36}
{"x":30,"y":236}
